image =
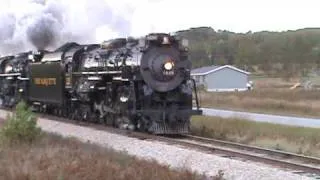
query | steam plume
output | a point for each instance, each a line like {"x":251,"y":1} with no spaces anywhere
{"x":46,"y":24}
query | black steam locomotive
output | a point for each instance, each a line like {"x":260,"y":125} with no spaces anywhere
{"x":141,"y":84}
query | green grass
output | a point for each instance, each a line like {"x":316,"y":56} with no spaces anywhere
{"x":288,"y":138}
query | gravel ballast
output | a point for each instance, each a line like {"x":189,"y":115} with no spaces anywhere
{"x":175,"y":156}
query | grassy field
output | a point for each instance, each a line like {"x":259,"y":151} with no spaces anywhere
{"x":293,"y":139}
{"x":272,"y":96}
{"x":273,"y":82}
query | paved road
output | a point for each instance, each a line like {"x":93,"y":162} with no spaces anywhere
{"x":294,"y":121}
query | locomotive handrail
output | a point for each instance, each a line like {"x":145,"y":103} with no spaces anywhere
{"x":23,"y":78}
{"x":196,"y":93}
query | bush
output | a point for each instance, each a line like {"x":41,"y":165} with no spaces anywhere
{"x":21,"y":126}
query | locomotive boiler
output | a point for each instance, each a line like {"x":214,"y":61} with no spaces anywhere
{"x":141,"y":84}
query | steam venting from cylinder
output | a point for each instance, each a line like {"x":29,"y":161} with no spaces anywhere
{"x":46,"y":24}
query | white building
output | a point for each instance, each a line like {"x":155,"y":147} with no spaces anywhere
{"x":221,"y":78}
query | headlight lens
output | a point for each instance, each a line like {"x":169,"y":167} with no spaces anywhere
{"x":30,"y":57}
{"x":168,"y":66}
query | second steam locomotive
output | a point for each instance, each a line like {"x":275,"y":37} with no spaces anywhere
{"x":141,"y":84}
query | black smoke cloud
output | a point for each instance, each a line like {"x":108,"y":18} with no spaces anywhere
{"x":47,"y":24}
{"x":43,"y":33}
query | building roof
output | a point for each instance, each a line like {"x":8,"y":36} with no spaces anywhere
{"x":210,"y":69}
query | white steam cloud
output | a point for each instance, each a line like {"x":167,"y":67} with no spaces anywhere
{"x":46,"y":24}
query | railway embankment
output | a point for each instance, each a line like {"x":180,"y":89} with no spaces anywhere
{"x":167,"y":155}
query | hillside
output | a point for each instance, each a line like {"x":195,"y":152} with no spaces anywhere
{"x":284,"y":53}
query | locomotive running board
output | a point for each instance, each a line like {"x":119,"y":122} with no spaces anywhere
{"x":10,"y":74}
{"x":190,"y":112}
{"x":96,"y":73}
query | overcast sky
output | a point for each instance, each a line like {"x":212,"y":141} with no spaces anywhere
{"x":233,"y":15}
{"x":139,"y":17}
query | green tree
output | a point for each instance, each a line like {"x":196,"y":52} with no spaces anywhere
{"x":21,"y":126}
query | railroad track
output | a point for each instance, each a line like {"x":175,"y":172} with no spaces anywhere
{"x":256,"y":149}
{"x":294,"y":163}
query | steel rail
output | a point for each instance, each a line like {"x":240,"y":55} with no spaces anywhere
{"x":243,"y":155}
{"x":245,"y":152}
{"x":256,"y":149}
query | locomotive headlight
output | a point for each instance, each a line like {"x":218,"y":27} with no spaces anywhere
{"x":30,"y":57}
{"x":8,"y":69}
{"x":168,"y":66}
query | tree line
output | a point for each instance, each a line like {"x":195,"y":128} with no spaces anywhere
{"x":287,"y":53}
